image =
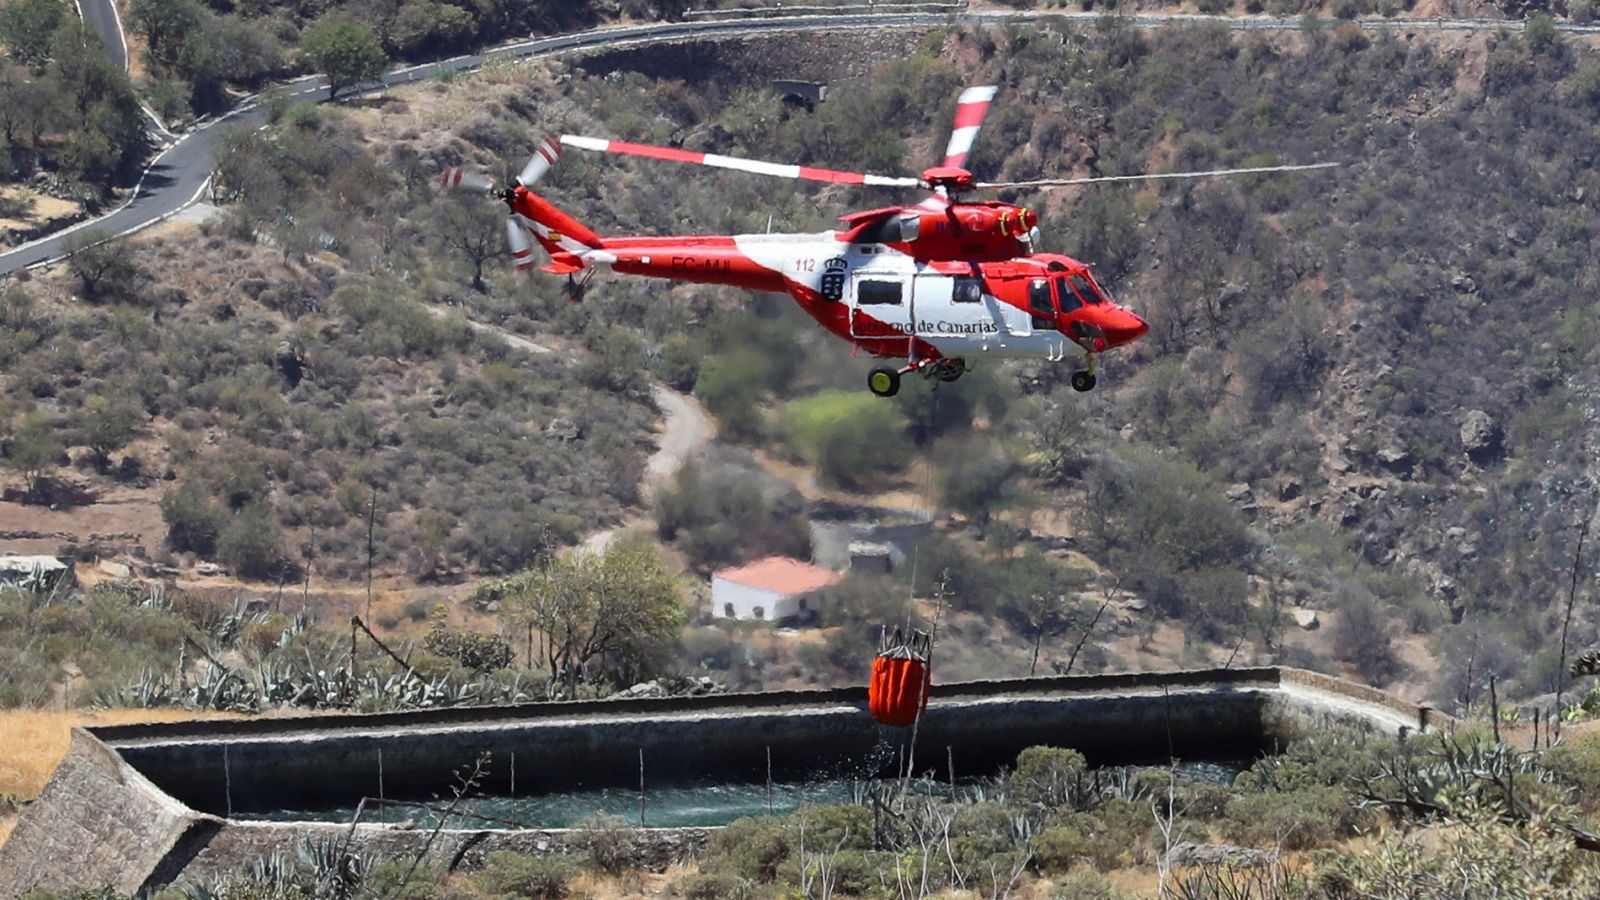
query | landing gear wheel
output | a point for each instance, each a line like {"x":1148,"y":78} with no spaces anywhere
{"x":883,"y":381}
{"x":1082,"y":381}
{"x":951,"y":369}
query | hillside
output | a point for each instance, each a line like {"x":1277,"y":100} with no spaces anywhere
{"x":1367,"y":394}
{"x":1315,"y":398}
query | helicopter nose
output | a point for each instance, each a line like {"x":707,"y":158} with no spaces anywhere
{"x":1123,"y":326}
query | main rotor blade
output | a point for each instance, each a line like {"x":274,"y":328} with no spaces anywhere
{"x":971,"y":107}
{"x":544,"y":156}
{"x":758,"y":167}
{"x":458,"y":179}
{"x":1154,"y":176}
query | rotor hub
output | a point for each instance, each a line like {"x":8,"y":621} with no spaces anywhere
{"x":951,"y":178}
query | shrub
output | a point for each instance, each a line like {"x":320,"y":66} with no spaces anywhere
{"x":713,"y":886}
{"x":479,"y":652}
{"x":609,"y":842}
{"x":511,"y":875}
{"x":1296,"y":820}
{"x":193,"y":520}
{"x":750,"y":848}
{"x":1047,"y":776}
{"x":1085,"y":884}
{"x":850,"y":436}
{"x":251,"y":544}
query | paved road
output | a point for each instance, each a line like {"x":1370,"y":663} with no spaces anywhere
{"x":102,"y":17}
{"x":178,"y":176}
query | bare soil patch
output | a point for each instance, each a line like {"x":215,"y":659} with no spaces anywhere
{"x":119,"y":510}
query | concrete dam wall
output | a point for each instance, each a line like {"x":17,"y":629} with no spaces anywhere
{"x":160,"y":801}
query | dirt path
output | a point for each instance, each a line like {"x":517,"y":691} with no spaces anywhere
{"x":686,"y":428}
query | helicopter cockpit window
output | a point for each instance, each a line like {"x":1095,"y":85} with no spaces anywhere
{"x":1070,"y":302}
{"x":1040,"y":305}
{"x":967,"y":290}
{"x":869,"y":293}
{"x":1086,"y":288}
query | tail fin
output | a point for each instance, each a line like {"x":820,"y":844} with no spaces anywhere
{"x":571,"y":245}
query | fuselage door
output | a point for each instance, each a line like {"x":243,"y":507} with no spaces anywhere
{"x":951,"y":307}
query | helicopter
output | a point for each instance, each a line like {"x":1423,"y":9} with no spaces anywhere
{"x":934,"y":284}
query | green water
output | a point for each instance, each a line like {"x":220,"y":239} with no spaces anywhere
{"x":664,"y":807}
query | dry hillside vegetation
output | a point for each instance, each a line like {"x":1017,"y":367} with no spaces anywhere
{"x":1320,"y":418}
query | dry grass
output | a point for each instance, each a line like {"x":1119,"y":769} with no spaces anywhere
{"x":33,"y":741}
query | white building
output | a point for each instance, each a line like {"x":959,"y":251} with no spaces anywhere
{"x":770,"y":589}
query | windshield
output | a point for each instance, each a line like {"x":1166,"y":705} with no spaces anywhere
{"x":1088,"y":290}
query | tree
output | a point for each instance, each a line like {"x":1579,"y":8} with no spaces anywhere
{"x":344,"y":51}
{"x":619,"y":611}
{"x":166,"y":26}
{"x":1038,"y":596}
{"x":474,"y":233}
{"x":102,"y":262}
{"x":1160,"y":520}
{"x":107,"y":424}
{"x":26,"y":104}
{"x":31,"y":451}
{"x":26,"y":27}
{"x":979,"y":481}
{"x":107,"y":129}
{"x":193,"y":519}
{"x":251,"y":544}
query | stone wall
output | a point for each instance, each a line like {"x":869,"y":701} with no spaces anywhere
{"x":98,"y":822}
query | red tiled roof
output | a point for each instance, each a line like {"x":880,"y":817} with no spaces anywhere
{"x":780,"y":575}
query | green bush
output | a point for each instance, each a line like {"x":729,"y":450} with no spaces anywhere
{"x":193,"y":519}
{"x":609,"y":842}
{"x":752,"y":849}
{"x":251,"y":544}
{"x":479,"y":652}
{"x":851,"y":437}
{"x":1047,"y":776}
{"x":508,"y":875}
{"x":1295,"y":820}
{"x":713,"y":886}
{"x":1577,"y":765}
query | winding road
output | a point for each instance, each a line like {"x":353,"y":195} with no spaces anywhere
{"x":179,"y":175}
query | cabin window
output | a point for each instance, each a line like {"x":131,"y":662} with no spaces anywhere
{"x":1070,"y":301}
{"x":1040,"y":305}
{"x":1090,"y":294}
{"x":967,"y":290}
{"x":871,"y":293}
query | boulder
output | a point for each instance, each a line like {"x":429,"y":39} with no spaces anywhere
{"x":1480,"y":437}
{"x":563,"y":429}
{"x":1394,"y":456}
{"x":1307,"y":619}
{"x":1230,"y":855}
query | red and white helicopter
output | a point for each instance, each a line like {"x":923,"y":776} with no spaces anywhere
{"x":934,"y":284}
